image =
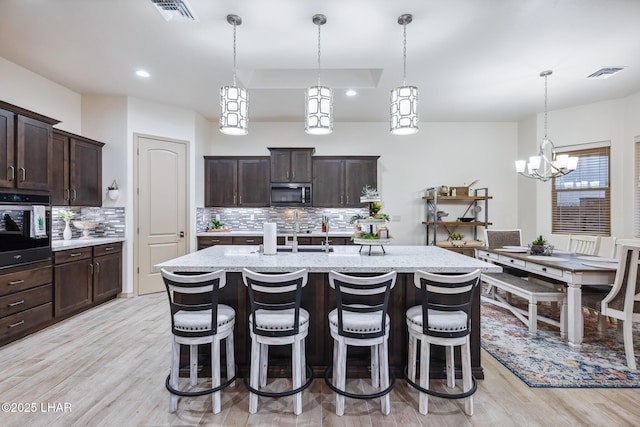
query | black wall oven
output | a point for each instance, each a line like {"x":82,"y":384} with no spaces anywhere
{"x":25,"y":228}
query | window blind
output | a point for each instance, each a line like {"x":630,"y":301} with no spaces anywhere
{"x":581,"y":200}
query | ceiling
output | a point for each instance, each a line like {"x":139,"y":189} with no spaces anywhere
{"x":472,"y":60}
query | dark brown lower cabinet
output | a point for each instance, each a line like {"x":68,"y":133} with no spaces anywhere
{"x":107,"y":271}
{"x":73,"y":279}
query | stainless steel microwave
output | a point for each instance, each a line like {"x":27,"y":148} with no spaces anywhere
{"x":290,"y":194}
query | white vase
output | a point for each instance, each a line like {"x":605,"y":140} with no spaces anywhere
{"x":66,"y":234}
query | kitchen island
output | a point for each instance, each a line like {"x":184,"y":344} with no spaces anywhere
{"x":319,"y":299}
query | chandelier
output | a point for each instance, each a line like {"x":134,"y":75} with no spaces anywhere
{"x":319,"y":99}
{"x":234,"y":102}
{"x":547,"y":164}
{"x":404,"y":99}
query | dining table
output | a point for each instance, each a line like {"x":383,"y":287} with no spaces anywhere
{"x":575,"y":271}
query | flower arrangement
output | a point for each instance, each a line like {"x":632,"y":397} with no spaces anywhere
{"x":66,"y":215}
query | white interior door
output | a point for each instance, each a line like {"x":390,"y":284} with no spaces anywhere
{"x":161,"y":206}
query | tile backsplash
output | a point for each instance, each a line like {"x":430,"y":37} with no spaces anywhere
{"x":111,"y":221}
{"x":251,"y":219}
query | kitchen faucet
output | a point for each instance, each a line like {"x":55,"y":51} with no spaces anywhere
{"x":325,"y":228}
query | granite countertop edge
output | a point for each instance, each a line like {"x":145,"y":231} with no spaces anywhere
{"x":60,"y":245}
{"x":260,"y":233}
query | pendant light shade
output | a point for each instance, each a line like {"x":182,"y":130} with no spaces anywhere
{"x":404,"y":99}
{"x":319,"y":99}
{"x":234,"y":100}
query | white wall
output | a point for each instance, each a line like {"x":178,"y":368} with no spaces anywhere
{"x":440,"y":154}
{"x":23,"y":88}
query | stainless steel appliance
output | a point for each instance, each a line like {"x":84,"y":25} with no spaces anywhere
{"x":23,"y":239}
{"x":290,"y":194}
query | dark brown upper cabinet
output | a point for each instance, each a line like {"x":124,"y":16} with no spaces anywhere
{"x":236,"y":181}
{"x":77,"y":172}
{"x":25,"y":149}
{"x":338,"y":181}
{"x":291,"y":164}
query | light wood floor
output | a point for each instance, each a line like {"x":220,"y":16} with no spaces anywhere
{"x":108,"y":367}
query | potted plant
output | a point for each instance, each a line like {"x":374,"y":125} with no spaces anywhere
{"x":540,"y":247}
{"x":216,"y":225}
{"x":456,"y":239}
{"x":112,"y":190}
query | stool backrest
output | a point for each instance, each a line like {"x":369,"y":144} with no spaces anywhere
{"x":498,"y":238}
{"x":274,"y":293}
{"x":370,"y":295}
{"x":181,"y":285}
{"x":449,"y":293}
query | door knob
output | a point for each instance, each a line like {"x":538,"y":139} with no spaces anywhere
{"x":181,"y":234}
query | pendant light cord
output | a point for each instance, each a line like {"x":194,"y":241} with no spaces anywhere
{"x":404,"y":55}
{"x":545,"y":106}
{"x":319,"y":25}
{"x":234,"y":54}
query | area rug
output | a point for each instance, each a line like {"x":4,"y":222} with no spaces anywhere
{"x":545,"y":360}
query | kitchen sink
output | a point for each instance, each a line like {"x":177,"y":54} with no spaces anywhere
{"x":318,"y":249}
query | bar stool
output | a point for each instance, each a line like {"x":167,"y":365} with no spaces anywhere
{"x":443,"y":318}
{"x":360,"y":319}
{"x":277,"y":319}
{"x":199,"y":322}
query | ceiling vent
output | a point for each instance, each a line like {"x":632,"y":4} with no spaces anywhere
{"x":605,"y":73}
{"x":175,"y":10}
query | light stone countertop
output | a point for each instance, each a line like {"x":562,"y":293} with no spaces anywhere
{"x":60,"y":245}
{"x":260,"y":233}
{"x":346,"y":259}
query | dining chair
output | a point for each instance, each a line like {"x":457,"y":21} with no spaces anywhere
{"x":195,"y":323}
{"x":497,"y":238}
{"x":583,"y":245}
{"x":607,"y":248}
{"x":623,"y":301}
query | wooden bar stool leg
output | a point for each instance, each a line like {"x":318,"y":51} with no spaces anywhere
{"x":254,"y":376}
{"x":375,"y":367}
{"x":296,"y":370}
{"x":175,"y":375}
{"x":264,"y":364}
{"x":231,"y":362}
{"x":385,"y":400}
{"x":215,"y":375}
{"x":425,"y":356}
{"x":451,"y":372}
{"x":412,"y":355}
{"x":466,"y":376}
{"x":193,"y":364}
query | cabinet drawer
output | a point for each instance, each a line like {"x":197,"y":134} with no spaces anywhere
{"x":332,"y":240}
{"x":546,"y":271}
{"x":511,"y":261}
{"x":23,"y":280}
{"x":72,"y":255}
{"x":25,"y":300}
{"x":487,"y":255}
{"x":107,"y":249}
{"x":206,"y":241}
{"x":25,"y":320}
{"x":247,"y":240}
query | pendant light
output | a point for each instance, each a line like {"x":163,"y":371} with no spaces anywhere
{"x":404,"y":99}
{"x":234,"y":102}
{"x":319,"y":99}
{"x":547,"y":164}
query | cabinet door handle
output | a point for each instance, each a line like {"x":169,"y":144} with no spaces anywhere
{"x":97,"y":267}
{"x":108,"y":249}
{"x":75,"y":194}
{"x":91,"y":268}
{"x":234,"y":199}
{"x":249,"y":241}
{"x":68,"y":194}
{"x":240,"y":200}
{"x":24,"y":174}
{"x":13,"y":304}
{"x":13,"y":173}
{"x":16,"y":324}
{"x":16,"y":282}
{"x":75,"y":254}
{"x":215,"y":241}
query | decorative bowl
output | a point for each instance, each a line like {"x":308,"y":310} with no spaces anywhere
{"x":545,"y":250}
{"x":85,"y":226}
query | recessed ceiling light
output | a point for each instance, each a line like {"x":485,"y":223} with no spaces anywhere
{"x":143,"y":73}
{"x":605,"y":72}
{"x":351,"y":92}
